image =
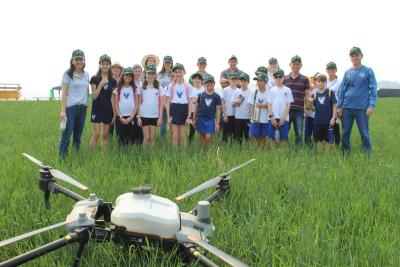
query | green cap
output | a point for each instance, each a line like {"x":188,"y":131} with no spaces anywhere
{"x":78,"y":54}
{"x":296,"y":58}
{"x":273,"y":60}
{"x":168,"y":59}
{"x":316,"y":74}
{"x":233,"y":75}
{"x":208,"y":78}
{"x":244,"y":76}
{"x":261,"y":69}
{"x":104,"y":58}
{"x":196,"y":75}
{"x":331,"y":65}
{"x":233,"y":57}
{"x":178,"y":66}
{"x":355,"y":50}
{"x":151,"y":68}
{"x":261,"y":77}
{"x":279,"y":72}
{"x":128,"y":70}
{"x":202,"y":60}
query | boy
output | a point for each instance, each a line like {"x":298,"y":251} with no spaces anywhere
{"x":207,"y":113}
{"x":324,"y":101}
{"x":197,"y":81}
{"x":279,"y":99}
{"x":242,"y":109}
{"x":228,"y":129}
{"x":258,"y":110}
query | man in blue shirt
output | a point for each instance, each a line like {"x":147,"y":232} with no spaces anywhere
{"x":357,"y":97}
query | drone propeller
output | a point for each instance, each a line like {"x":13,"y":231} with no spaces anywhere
{"x":30,"y":234}
{"x":212,"y":182}
{"x":56,"y":173}
{"x":217,"y":252}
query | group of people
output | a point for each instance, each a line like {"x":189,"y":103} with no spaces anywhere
{"x":136,"y":100}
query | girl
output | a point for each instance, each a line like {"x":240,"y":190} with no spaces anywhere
{"x":197,"y":80}
{"x":116,"y":72}
{"x":74,"y":97}
{"x":206,"y":115}
{"x":164,"y":78}
{"x":126,"y":97}
{"x":137,"y":78}
{"x":150,"y":111}
{"x":102,"y":85}
{"x":179,"y":95}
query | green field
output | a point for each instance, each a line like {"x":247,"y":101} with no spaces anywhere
{"x":292,"y":207}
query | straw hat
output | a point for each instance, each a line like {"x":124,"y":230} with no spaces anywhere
{"x":148,"y":56}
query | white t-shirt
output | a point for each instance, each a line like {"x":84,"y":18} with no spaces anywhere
{"x":271,"y":81}
{"x":227,"y":94}
{"x":197,"y":92}
{"x":180,"y":96}
{"x":260,"y":97}
{"x":149,"y":108}
{"x":333,"y":86}
{"x":126,"y":100}
{"x":242,"y":111}
{"x":279,"y":98}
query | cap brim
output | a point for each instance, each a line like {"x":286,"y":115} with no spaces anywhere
{"x":82,"y":57}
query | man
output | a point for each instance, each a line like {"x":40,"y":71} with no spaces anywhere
{"x":333,"y":84}
{"x":201,"y":65}
{"x":224,"y":77}
{"x":300,"y":86}
{"x":357,"y":98}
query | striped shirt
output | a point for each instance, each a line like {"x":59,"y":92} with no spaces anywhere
{"x":298,"y":86}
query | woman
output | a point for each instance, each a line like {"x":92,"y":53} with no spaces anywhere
{"x":150,"y":60}
{"x":74,"y":97}
{"x":138,"y":79}
{"x":164,"y":78}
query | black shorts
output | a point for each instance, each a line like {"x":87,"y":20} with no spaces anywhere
{"x":321,"y":133}
{"x":149,"y":121}
{"x":179,"y":113}
{"x":101,"y":115}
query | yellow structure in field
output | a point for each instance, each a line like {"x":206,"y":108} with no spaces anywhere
{"x":10,"y":91}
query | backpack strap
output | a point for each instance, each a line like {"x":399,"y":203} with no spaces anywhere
{"x":255,"y":97}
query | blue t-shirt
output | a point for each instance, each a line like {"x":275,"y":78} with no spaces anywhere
{"x":323,"y":104}
{"x":208,"y":104}
{"x":358,"y":89}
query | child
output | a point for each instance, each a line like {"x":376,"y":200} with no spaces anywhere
{"x":102,"y":85}
{"x":279,"y":99}
{"x":207,"y":114}
{"x":164,"y":79}
{"x":150,"y":111}
{"x":309,"y":113}
{"x":126,"y":99}
{"x":197,"y":81}
{"x":116,"y":73}
{"x":242,"y":109}
{"x":258,"y":110}
{"x":179,"y":106}
{"x":324,"y":101}
{"x":228,"y":129}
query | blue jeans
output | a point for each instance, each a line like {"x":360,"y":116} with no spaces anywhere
{"x":297,"y":118}
{"x":308,"y":130}
{"x":163,"y":128}
{"x":348,"y":117}
{"x":76,"y":116}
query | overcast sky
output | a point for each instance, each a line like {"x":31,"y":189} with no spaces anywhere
{"x":37,"y":37}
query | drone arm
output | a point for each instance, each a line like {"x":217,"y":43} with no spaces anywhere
{"x":213,"y":197}
{"x":55,"y":188}
{"x":192,"y":252}
{"x":70,"y":238}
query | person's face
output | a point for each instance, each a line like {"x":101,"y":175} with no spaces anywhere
{"x":150,"y":76}
{"x":128,"y":78}
{"x":172,"y":77}
{"x":278,"y":79}
{"x":105,"y":66}
{"x":320,"y":84}
{"x":295,"y":66}
{"x":356,"y":59}
{"x":243,"y":83}
{"x":209,"y":86}
{"x":167,"y":65}
{"x":116,"y":72}
{"x":196,"y":82}
{"x":151,"y":61}
{"x":224,"y":84}
{"x":202,"y":67}
{"x":233,"y":63}
{"x":261,"y":84}
{"x":234,"y":82}
{"x":78,"y":62}
{"x":179,"y":73}
{"x":331,"y":71}
{"x":273,"y":67}
{"x":137,"y":73}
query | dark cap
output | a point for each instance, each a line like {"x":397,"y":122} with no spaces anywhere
{"x":273,"y":60}
{"x":296,"y":58}
{"x":331,"y":65}
{"x":355,"y":50}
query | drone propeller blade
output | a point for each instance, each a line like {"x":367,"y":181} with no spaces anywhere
{"x":212,"y":182}
{"x":30,"y":234}
{"x":66,"y":178}
{"x":239,"y":167}
{"x":217,"y":252}
{"x":34,"y":160}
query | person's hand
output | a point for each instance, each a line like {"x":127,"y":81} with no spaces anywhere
{"x":225,"y":118}
{"x":139,"y":121}
{"x":273,"y":121}
{"x":159,"y":122}
{"x":194,"y":122}
{"x":216,"y":126}
{"x":258,"y":105}
{"x":369,"y":112}
{"x":62,"y":116}
{"x":188,"y":121}
{"x":281,"y":122}
{"x":113,"y":119}
{"x":169,"y":121}
{"x":339,"y":112}
{"x":104,"y":80}
{"x":253,"y":118}
{"x":332,"y":122}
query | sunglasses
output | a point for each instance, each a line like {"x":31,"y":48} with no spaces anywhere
{"x":278,"y":76}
